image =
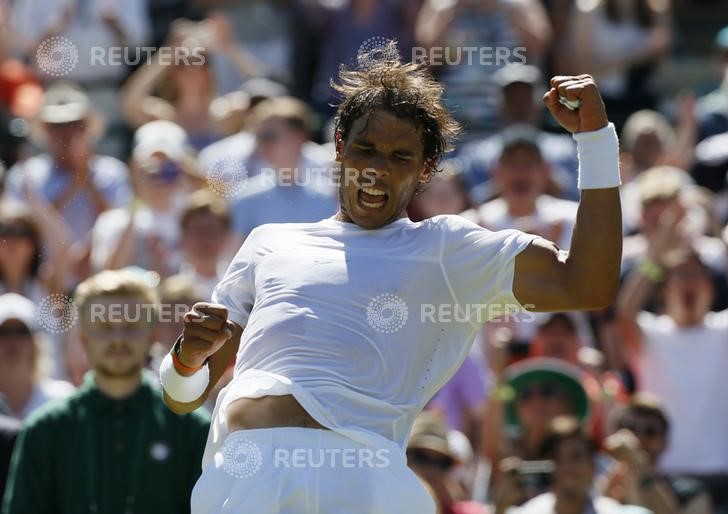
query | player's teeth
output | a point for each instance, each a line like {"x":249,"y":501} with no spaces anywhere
{"x":372,"y":191}
{"x":372,"y":205}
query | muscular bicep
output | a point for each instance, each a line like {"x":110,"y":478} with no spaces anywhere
{"x":539,"y":281}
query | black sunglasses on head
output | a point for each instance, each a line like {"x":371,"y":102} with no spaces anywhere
{"x":269,"y":136}
{"x":545,"y":390}
{"x":7,"y":230}
{"x":425,"y":458}
{"x":647,"y":429}
{"x":15,"y":331}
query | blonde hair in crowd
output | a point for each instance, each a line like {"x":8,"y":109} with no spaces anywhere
{"x":113,"y":283}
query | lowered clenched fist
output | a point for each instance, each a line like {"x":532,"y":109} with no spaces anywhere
{"x":206,"y":330}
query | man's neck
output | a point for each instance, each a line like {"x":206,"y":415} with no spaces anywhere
{"x":532,"y":442}
{"x":74,"y":164}
{"x":205,"y":267}
{"x":685,"y":320}
{"x":522,"y":208}
{"x":118,"y":387}
{"x":570,"y":505}
{"x":14,"y":280}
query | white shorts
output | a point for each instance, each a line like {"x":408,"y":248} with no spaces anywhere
{"x":291,"y":470}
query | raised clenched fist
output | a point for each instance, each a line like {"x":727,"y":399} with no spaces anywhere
{"x":589,"y":116}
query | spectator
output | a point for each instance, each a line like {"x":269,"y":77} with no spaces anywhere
{"x":146,"y":233}
{"x":113,"y":446}
{"x":163,"y":14}
{"x":520,"y":105}
{"x":21,"y":255}
{"x":445,"y":194}
{"x":205,"y":234}
{"x":526,"y":397}
{"x":294,"y":182}
{"x":76,"y":182}
{"x":709,"y":169}
{"x":522,"y":178}
{"x":355,"y":28}
{"x":681,"y":356}
{"x":560,"y":337}
{"x":713,"y":107}
{"x":9,"y":428}
{"x":620,"y":44}
{"x":665,"y":192}
{"x":646,"y":136}
{"x":89,"y":35}
{"x":649,"y":141}
{"x":573,"y":453}
{"x":461,"y":399}
{"x":181,"y":88}
{"x":637,"y":447}
{"x":431,"y":456}
{"x":23,"y":375}
{"x":260,"y":89}
{"x":264,"y":30}
{"x":471,"y":91}
{"x":236,"y":152}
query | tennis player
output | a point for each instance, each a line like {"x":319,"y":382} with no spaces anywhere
{"x":343,"y":329}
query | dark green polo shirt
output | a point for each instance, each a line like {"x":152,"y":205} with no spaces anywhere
{"x":91,"y":453}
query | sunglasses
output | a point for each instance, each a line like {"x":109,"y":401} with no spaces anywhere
{"x":269,"y":136}
{"x":545,"y":391}
{"x":167,"y":173}
{"x":67,"y":126}
{"x":14,"y":231}
{"x":15,"y":332}
{"x":648,"y":429}
{"x":428,"y":459}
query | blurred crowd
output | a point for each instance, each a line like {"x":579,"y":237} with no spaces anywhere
{"x":158,"y":169}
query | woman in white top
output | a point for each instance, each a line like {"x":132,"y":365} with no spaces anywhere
{"x":620,"y":43}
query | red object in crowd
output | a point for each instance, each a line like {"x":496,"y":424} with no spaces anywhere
{"x":20,"y":89}
{"x":467,"y":507}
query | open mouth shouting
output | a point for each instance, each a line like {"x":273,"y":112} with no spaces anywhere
{"x":371,"y":198}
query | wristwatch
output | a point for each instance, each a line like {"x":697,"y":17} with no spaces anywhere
{"x":177,"y":347}
{"x":648,"y":480}
{"x":177,"y":350}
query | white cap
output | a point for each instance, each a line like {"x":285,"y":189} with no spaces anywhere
{"x":15,"y":306}
{"x":161,"y":136}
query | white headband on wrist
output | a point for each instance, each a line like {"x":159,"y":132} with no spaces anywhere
{"x":598,"y":153}
{"x":184,"y":389}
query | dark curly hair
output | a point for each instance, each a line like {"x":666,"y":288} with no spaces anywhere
{"x":407,"y":90}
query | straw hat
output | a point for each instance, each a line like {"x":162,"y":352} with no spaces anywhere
{"x":65,"y":102}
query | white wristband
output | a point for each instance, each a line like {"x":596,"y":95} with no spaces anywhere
{"x":598,"y":158}
{"x":180,"y":388}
